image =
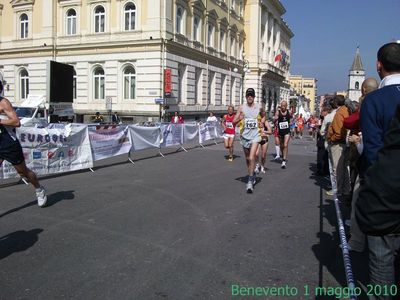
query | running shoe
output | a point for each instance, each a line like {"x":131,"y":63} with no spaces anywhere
{"x":230,"y":158}
{"x":249,"y":187}
{"x":257,"y":169}
{"x":277,"y":157}
{"x":262,"y":170}
{"x":329,"y":193}
{"x":283,"y":166}
{"x":41,"y":196}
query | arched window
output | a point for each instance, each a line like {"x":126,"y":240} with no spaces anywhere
{"x":357,"y":85}
{"x":71,"y":22}
{"x":99,"y":19}
{"x":179,"y":20}
{"x":24,"y":26}
{"x":196,"y":28}
{"x":99,"y":83}
{"x":74,"y":85}
{"x":130,"y":16}
{"x":129,"y":83}
{"x":24,"y":83}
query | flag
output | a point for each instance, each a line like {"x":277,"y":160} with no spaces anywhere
{"x":278,"y":57}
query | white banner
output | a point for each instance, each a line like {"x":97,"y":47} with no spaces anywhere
{"x":109,"y":140}
{"x":172,"y":135}
{"x":190,"y":133}
{"x":54,"y":149}
{"x":144,"y":137}
{"x":209,"y":131}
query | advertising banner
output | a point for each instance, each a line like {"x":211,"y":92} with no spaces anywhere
{"x":172,"y":135}
{"x":53,"y":149}
{"x":109,"y":141}
{"x":144,"y":137}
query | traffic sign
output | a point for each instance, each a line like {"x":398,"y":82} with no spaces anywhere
{"x":159,"y":101}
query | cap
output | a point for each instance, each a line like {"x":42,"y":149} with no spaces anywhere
{"x":250,"y":92}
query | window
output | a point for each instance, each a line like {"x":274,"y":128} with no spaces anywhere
{"x":179,"y":20}
{"x":71,"y":22}
{"x":99,"y":19}
{"x":222,"y":41}
{"x":129,"y":83}
{"x":130,"y":16}
{"x":196,"y":29}
{"x":357,"y":85}
{"x":210,"y":40}
{"x":99,"y":83}
{"x":74,"y":85}
{"x":181,"y":82}
{"x":24,"y":26}
{"x":198,"y":86}
{"x":233,"y":46}
{"x":24,"y":83}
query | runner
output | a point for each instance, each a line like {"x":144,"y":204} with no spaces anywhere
{"x":263,"y":147}
{"x":300,"y":126}
{"x":229,"y":131}
{"x":312,"y":126}
{"x":283,"y":119}
{"x":10,"y":147}
{"x":277,"y":143}
{"x":250,"y":134}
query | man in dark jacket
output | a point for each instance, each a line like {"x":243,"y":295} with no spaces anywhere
{"x":378,"y":205}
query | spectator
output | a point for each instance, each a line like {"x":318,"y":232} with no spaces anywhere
{"x":357,"y":238}
{"x":338,"y":149}
{"x":177,"y":119}
{"x":377,"y":206}
{"x":211,"y":117}
{"x":115,"y":118}
{"x":98,"y":118}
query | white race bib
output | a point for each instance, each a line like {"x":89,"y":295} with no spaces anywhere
{"x":284,"y":125}
{"x":229,"y":125}
{"x":250,"y":123}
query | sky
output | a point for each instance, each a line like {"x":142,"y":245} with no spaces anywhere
{"x":327,"y":33}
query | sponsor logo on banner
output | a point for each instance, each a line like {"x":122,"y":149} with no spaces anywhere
{"x":109,"y":140}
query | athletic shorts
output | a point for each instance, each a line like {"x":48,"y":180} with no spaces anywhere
{"x":228,"y":136}
{"x":282,"y":137}
{"x":12,"y":152}
{"x":247,"y":143}
{"x":264,"y":140}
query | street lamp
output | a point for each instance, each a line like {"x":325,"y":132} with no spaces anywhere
{"x":245,"y":69}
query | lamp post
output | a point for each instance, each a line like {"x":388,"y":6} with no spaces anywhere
{"x":245,"y":69}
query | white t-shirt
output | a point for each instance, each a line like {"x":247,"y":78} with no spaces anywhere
{"x":212,"y":119}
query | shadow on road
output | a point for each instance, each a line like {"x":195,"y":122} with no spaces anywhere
{"x":18,"y":241}
{"x":51,"y":200}
{"x":245,"y":179}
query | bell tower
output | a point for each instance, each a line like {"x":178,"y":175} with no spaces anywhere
{"x":356,"y":77}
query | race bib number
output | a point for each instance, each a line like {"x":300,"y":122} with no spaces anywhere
{"x":250,"y":123}
{"x":229,"y":125}
{"x":284,"y":125}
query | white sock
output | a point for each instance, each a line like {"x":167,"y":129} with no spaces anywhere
{"x":277,"y":149}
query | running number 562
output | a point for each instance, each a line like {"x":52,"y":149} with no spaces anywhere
{"x":381,"y":290}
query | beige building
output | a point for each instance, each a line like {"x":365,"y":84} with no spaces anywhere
{"x":123,"y":51}
{"x":306,"y":87}
{"x":267,"y":49}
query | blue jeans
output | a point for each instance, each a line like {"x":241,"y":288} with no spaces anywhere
{"x":382,"y":254}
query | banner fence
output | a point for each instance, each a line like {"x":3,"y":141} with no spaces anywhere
{"x":60,"y":148}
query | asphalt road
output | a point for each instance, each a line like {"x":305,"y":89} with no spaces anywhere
{"x":178,"y":227}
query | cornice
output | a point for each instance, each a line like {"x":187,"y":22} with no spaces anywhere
{"x":18,"y":3}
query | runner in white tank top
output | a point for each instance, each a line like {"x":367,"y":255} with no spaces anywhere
{"x":250,"y":133}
